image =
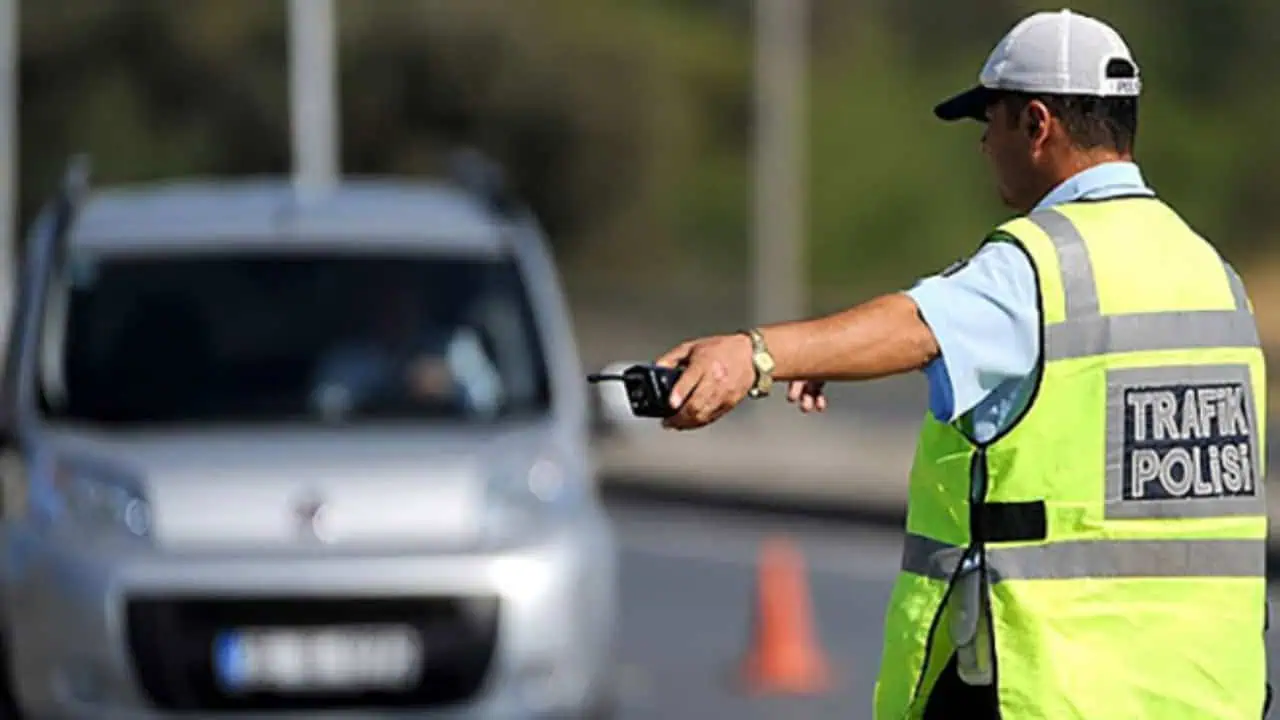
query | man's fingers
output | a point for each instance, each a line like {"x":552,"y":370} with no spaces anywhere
{"x":698,"y":407}
{"x":702,"y":404}
{"x":705,"y":408}
{"x":677,"y":354}
{"x":684,"y":387}
{"x":688,"y":417}
{"x":808,"y":395}
{"x":720,"y":411}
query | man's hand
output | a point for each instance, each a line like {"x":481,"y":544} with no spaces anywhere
{"x":808,"y":394}
{"x":718,"y":373}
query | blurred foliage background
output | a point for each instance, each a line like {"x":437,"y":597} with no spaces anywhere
{"x":627,"y":123}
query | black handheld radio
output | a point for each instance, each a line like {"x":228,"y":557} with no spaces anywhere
{"x":648,"y":388}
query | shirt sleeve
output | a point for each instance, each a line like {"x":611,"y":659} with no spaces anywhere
{"x":985,"y":317}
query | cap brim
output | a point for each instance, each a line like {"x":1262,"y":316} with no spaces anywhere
{"x":968,"y":105}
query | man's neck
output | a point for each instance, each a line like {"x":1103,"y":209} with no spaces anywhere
{"x":1076,"y":162}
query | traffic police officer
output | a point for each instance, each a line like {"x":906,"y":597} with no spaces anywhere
{"x":1086,"y":526}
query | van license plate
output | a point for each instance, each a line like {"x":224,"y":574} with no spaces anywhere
{"x":318,"y":659}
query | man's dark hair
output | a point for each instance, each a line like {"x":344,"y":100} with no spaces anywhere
{"x":1091,"y":122}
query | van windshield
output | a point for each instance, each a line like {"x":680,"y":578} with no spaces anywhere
{"x":322,"y":337}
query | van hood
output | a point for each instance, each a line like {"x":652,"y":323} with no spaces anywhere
{"x":266,"y":487}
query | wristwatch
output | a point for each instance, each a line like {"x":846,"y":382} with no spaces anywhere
{"x":762,"y":360}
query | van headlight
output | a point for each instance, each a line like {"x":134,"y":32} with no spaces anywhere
{"x":518,"y":500}
{"x":89,"y":500}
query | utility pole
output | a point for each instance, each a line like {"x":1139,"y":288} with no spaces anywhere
{"x":781,"y":61}
{"x":9,"y":39}
{"x":781,"y":70}
{"x":313,"y":92}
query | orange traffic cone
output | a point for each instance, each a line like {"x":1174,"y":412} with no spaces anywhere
{"x":785,"y":656}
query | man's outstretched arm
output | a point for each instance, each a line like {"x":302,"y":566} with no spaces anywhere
{"x":881,"y":337}
{"x":981,"y":316}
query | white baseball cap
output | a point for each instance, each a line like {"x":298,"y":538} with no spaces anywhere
{"x":1052,"y":53}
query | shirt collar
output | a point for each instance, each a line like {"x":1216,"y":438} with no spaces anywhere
{"x":1100,"y":181}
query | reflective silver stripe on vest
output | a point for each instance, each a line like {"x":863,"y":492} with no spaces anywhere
{"x":1075,"y":560}
{"x":1086,"y":332}
{"x":1079,"y":289}
{"x":1138,"y":332}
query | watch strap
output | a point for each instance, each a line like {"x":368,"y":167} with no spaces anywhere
{"x":764,"y":374}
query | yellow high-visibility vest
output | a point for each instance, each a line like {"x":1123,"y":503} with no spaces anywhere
{"x":1106,"y":554}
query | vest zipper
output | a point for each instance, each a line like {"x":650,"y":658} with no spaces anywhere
{"x":978,"y":490}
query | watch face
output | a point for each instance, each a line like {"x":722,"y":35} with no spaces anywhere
{"x":764,"y":361}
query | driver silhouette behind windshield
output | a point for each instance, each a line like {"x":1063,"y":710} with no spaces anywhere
{"x":408,"y":355}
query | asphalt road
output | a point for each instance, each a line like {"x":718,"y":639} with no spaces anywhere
{"x":688,"y":578}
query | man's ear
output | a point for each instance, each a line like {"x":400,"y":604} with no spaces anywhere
{"x":1035,"y":118}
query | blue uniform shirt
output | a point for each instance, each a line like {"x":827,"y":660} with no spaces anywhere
{"x":986,"y":322}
